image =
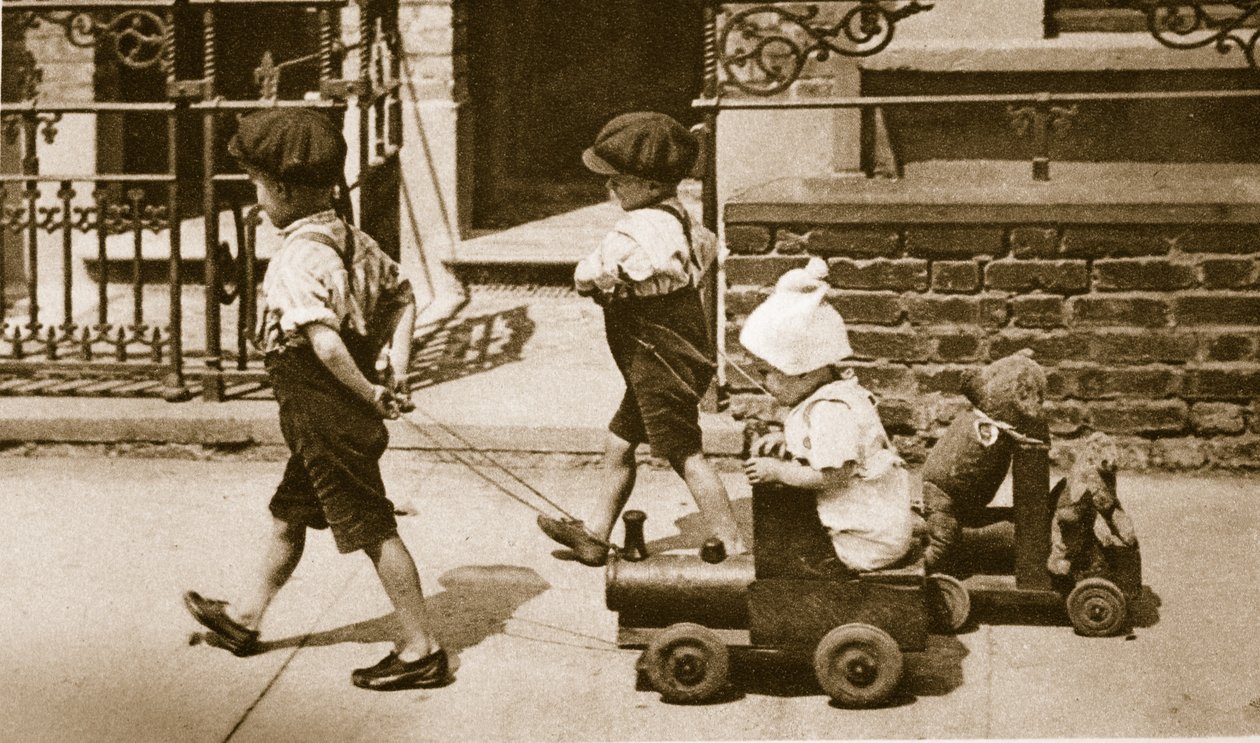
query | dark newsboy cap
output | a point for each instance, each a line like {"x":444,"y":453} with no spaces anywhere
{"x":645,"y":144}
{"x":293,"y":145}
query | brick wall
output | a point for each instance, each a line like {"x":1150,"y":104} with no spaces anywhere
{"x":1150,"y":333}
{"x":66,"y":69}
{"x":432,"y":33}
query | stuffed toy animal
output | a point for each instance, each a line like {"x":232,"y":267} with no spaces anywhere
{"x":967,"y":465}
{"x":1088,"y":517}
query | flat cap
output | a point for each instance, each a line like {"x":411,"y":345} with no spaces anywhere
{"x":645,"y":144}
{"x":294,"y":145}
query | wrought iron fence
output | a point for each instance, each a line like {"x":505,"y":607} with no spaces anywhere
{"x":756,"y":52}
{"x":165,"y":333}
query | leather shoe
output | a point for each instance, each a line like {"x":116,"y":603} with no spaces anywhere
{"x":230,"y":634}
{"x":587,"y":548}
{"x":394,"y":674}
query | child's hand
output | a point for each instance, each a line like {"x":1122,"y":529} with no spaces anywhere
{"x":401,"y":391}
{"x":399,"y":387}
{"x":770,"y":445}
{"x":763,"y":470}
{"x":383,"y":402}
{"x":595,"y":293}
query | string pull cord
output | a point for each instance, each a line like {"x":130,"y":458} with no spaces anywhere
{"x":492,"y":461}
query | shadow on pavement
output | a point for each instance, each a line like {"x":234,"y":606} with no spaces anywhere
{"x":477,"y":602}
{"x":935,"y":672}
{"x":463,"y":346}
{"x":692,"y":531}
{"x":1144,"y":612}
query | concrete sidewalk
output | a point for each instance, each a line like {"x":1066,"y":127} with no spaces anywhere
{"x":96,"y":553}
{"x":523,"y":370}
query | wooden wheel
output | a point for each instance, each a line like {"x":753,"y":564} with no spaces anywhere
{"x":949,"y":604}
{"x":1097,"y":608}
{"x":686,"y":663}
{"x":858,"y":665}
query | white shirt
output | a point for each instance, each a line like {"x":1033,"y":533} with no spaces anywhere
{"x":647,"y":254}
{"x":307,"y":282}
{"x":868,"y":517}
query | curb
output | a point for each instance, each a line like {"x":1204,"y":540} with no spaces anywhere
{"x":49,"y":420}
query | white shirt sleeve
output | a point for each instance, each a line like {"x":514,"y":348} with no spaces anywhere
{"x":618,"y":261}
{"x":646,"y":251}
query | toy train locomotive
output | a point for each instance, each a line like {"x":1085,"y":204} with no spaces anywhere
{"x":686,"y":611}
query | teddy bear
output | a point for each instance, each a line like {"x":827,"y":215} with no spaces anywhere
{"x":966,"y":466}
{"x":1088,"y":518}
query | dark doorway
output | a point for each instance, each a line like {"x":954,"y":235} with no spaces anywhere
{"x":545,"y":75}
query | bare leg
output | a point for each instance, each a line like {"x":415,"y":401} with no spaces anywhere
{"x":620,"y":467}
{"x":284,"y":551}
{"x":711,"y":498}
{"x":397,"y":571}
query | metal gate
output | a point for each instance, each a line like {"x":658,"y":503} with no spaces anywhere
{"x":144,"y":283}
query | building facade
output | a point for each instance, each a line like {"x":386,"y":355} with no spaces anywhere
{"x":1073,"y":185}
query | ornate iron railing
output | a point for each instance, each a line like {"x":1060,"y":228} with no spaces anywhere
{"x":109,"y":228}
{"x":764,"y":48}
{"x":1194,"y":24}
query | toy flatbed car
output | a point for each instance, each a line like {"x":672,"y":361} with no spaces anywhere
{"x":1097,"y":604}
{"x":687,"y":611}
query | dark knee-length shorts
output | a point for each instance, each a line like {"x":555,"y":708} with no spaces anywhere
{"x":662,"y":349}
{"x":333,"y":477}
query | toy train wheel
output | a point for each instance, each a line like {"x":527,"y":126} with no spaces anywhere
{"x":686,"y":663}
{"x":949,"y":604}
{"x":1097,"y":608}
{"x":858,"y":665}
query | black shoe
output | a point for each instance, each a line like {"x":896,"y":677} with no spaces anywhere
{"x":587,"y":548}
{"x":228,"y":633}
{"x":394,"y":674}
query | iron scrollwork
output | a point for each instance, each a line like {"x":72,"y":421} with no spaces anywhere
{"x":137,"y":36}
{"x":763,"y":49}
{"x":1041,"y":120}
{"x":1187,"y":24}
{"x":267,"y":73}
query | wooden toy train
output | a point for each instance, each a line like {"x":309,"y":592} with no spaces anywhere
{"x":686,"y":611}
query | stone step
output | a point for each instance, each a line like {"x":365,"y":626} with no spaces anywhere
{"x":544,"y":251}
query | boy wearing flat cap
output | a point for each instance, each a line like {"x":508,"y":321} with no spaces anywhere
{"x":832,"y":442}
{"x":331,"y":301}
{"x":646,"y":274}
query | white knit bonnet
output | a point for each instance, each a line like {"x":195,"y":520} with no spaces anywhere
{"x":796,"y":330}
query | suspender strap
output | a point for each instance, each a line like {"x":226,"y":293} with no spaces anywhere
{"x":685,"y":220}
{"x":346,"y":251}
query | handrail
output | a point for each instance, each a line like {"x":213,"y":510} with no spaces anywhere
{"x":720,"y":103}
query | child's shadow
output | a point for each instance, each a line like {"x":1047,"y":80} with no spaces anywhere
{"x":477,"y":602}
{"x":692,"y":530}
